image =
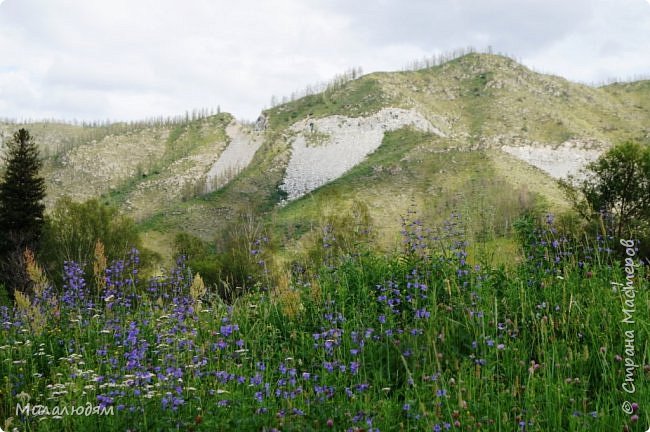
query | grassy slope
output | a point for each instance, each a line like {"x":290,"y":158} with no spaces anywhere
{"x":355,"y":98}
{"x":486,"y":95}
{"x":166,"y":180}
{"x":635,"y":97}
{"x":56,"y":138}
{"x":255,"y":189}
{"x":480,"y":101}
{"x":415,"y":171}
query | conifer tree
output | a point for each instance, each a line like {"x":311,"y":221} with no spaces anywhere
{"x":22,"y":190}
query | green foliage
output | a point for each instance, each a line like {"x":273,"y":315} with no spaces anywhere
{"x":340,"y":235}
{"x":200,"y":257}
{"x":189,"y":246}
{"x":243,"y":257}
{"x":359,"y":97}
{"x":72,"y":230}
{"x":5,"y":298}
{"x":370,"y":339}
{"x":236,"y":262}
{"x":618,"y":183}
{"x":525,"y":228}
{"x":22,"y":190}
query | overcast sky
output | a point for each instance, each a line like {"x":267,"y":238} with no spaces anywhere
{"x":132,"y":59}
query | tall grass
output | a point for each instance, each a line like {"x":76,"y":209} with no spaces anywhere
{"x":416,"y":340}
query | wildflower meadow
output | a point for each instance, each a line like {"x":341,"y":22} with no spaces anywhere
{"x":429,"y":338}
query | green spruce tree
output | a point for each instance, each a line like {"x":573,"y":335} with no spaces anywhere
{"x":22,"y":190}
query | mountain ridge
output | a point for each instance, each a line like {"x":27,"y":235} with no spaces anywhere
{"x":480,"y":103}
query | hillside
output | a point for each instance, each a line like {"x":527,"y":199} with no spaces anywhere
{"x":141,"y":167}
{"x":471,"y":126}
{"x":480,"y":134}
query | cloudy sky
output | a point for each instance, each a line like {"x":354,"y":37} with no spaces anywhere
{"x":132,"y":59}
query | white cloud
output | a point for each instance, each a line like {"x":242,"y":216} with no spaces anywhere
{"x":613,"y":44}
{"x":124,"y":59}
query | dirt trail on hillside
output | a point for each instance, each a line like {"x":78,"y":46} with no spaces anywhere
{"x":244,"y":142}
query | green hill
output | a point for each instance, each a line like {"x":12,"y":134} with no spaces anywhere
{"x":474,"y":105}
{"x":480,"y":102}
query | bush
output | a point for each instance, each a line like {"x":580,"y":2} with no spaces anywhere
{"x":72,"y":230}
{"x":190,"y":246}
{"x":340,"y":235}
{"x":5,"y":298}
{"x":243,"y":255}
{"x":617,"y":183}
{"x":235,"y":263}
{"x":616,"y":188}
{"x":200,"y":257}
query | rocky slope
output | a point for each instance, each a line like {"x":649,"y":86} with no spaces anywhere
{"x":324,"y":149}
{"x":385,"y":139}
{"x":243,"y":144}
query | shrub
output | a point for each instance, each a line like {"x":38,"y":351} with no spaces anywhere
{"x":617,"y":185}
{"x":200,"y":257}
{"x":236,"y":262}
{"x":243,"y":255}
{"x":341,"y":235}
{"x":73,"y":229}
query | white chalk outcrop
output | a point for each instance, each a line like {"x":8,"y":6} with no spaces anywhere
{"x":568,"y":158}
{"x":324,"y":149}
{"x":239,"y":153}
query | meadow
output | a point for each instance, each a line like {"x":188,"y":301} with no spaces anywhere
{"x":431,"y":337}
